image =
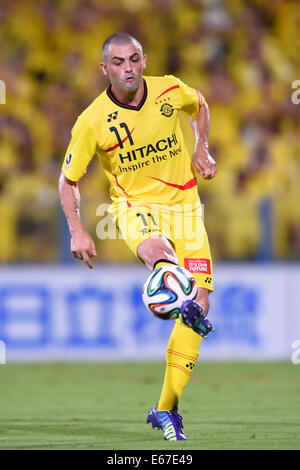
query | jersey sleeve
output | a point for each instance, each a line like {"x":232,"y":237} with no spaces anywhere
{"x":191,"y":99}
{"x":81,"y":149}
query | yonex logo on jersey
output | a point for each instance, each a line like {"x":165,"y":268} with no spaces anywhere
{"x":68,"y":160}
{"x":197,"y":265}
{"x":112,"y":116}
{"x":166,"y":109}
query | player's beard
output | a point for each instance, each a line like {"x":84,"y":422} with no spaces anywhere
{"x":132,"y":85}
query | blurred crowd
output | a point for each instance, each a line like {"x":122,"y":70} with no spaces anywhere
{"x":244,"y":57}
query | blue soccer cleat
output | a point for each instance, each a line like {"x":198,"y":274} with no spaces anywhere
{"x":192,"y":314}
{"x":169,"y":422}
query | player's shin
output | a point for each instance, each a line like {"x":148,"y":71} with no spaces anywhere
{"x":181,"y":356}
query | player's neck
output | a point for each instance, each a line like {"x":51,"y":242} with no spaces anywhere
{"x":132,"y":98}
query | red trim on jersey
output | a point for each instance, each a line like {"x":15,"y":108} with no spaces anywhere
{"x":118,"y":145}
{"x":166,"y":91}
{"x":117,"y":182}
{"x":189,"y":184}
{"x":128,"y":106}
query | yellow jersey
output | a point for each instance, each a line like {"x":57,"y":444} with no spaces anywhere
{"x":141,"y":148}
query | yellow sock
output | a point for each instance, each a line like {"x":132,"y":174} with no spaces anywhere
{"x":181,"y":356}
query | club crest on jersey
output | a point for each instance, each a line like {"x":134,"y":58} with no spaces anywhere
{"x":68,"y":160}
{"x":166,"y":109}
{"x":112,"y":116}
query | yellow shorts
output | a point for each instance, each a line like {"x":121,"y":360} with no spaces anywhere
{"x":184,"y":229}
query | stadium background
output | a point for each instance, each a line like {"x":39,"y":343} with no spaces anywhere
{"x":244,"y":58}
{"x":242,"y":55}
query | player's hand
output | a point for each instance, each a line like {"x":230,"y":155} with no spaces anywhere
{"x":83,"y":247}
{"x":204,"y":163}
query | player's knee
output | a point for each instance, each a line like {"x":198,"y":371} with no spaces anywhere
{"x":152,"y":250}
{"x":162,"y":254}
{"x":203,"y":299}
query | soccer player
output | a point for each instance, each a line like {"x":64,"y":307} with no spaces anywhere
{"x":134,"y":128}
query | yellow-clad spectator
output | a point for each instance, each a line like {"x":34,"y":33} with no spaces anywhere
{"x":244,"y":57}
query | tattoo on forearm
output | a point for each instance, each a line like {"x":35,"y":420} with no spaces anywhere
{"x":76,"y":206}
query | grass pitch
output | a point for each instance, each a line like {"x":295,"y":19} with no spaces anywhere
{"x":104,"y":406}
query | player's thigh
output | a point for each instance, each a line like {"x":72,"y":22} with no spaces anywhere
{"x":140,"y":227}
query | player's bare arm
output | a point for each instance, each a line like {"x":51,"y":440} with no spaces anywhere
{"x":202,"y":160}
{"x":82,"y":244}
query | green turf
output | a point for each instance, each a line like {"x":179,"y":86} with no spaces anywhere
{"x":104,"y":406}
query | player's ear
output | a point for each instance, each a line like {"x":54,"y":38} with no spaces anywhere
{"x":103,"y":67}
{"x":144,"y":61}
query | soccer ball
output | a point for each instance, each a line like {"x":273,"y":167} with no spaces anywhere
{"x":166,"y":289}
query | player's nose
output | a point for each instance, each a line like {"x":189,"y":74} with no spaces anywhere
{"x":128,"y":66}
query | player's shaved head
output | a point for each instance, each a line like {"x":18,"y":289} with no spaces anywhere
{"x":120,"y":39}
